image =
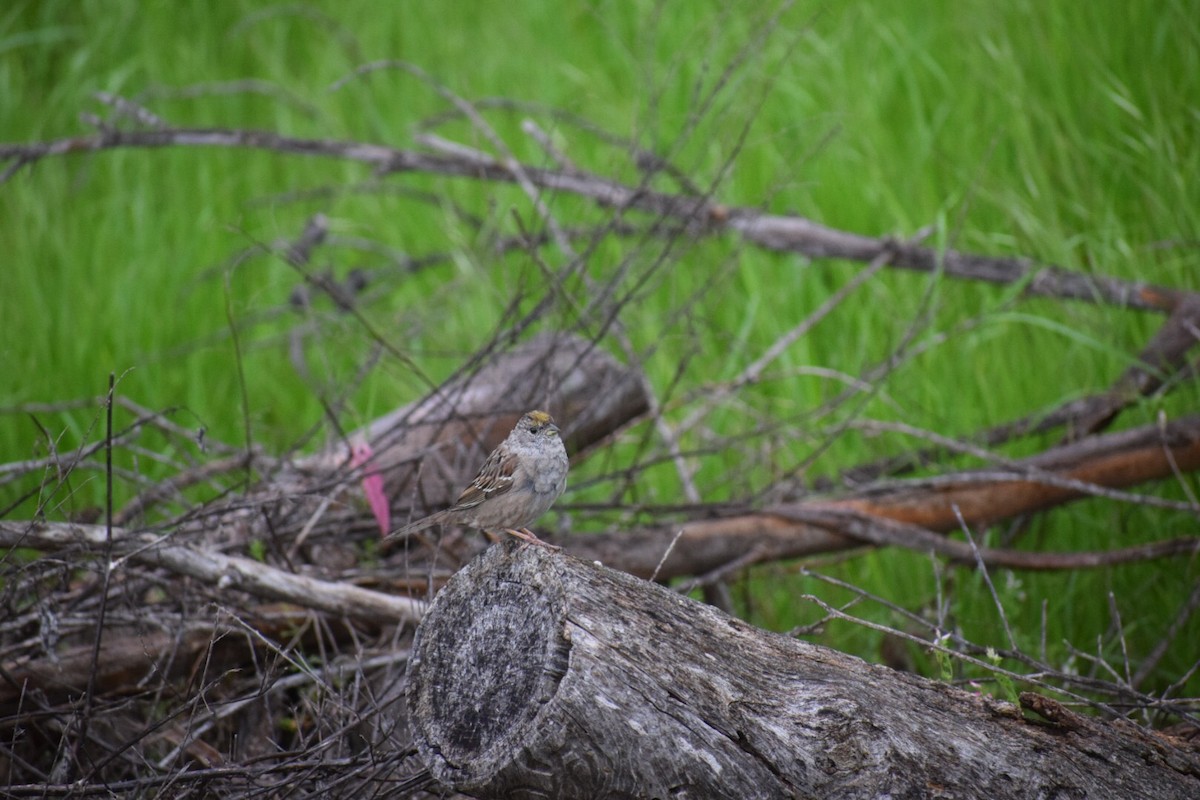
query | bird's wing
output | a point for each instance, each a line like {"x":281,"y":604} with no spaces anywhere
{"x":495,"y":478}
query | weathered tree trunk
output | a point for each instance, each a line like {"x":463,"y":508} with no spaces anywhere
{"x":538,"y":675}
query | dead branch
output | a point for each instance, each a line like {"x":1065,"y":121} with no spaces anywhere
{"x":774,"y":232}
{"x":1094,"y":466}
{"x":228,"y":572}
{"x":884,"y":532}
{"x":129,"y":661}
{"x":1163,"y":361}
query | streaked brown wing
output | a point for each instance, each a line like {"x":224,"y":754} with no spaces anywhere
{"x":495,"y":478}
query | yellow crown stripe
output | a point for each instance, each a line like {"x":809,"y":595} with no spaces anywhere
{"x":540,"y":417}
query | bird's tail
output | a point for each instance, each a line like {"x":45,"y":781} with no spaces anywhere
{"x":419,"y":525}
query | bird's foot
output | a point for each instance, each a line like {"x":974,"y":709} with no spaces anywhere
{"x":527,"y":536}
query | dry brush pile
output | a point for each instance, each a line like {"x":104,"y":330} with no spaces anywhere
{"x":236,"y":628}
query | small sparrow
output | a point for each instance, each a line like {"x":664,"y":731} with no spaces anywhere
{"x":518,"y":483}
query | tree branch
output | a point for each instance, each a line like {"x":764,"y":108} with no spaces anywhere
{"x":217,"y":569}
{"x":1096,"y":466}
{"x":774,"y":232}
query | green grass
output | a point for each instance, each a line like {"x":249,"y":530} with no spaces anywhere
{"x":1065,"y":133}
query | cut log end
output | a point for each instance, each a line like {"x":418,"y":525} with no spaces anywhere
{"x":478,"y":690}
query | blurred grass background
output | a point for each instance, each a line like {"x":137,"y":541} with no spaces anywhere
{"x":1062,"y":132}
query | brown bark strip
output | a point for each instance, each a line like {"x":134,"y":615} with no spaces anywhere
{"x":1052,"y":710}
{"x":883,"y":532}
{"x":1111,"y":461}
{"x":1122,"y":459}
{"x":1151,"y":747}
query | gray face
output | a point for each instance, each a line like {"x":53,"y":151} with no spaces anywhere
{"x":538,"y":423}
{"x":536,"y":437}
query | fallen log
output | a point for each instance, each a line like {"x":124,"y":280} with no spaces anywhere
{"x":426,"y":451}
{"x":536,"y":674}
{"x":131,"y":659}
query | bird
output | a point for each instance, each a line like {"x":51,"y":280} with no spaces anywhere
{"x":517,"y":483}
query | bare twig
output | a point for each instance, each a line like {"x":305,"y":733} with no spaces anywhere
{"x":753,"y":371}
{"x":1163,"y":358}
{"x":89,"y":698}
{"x":1186,"y":610}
